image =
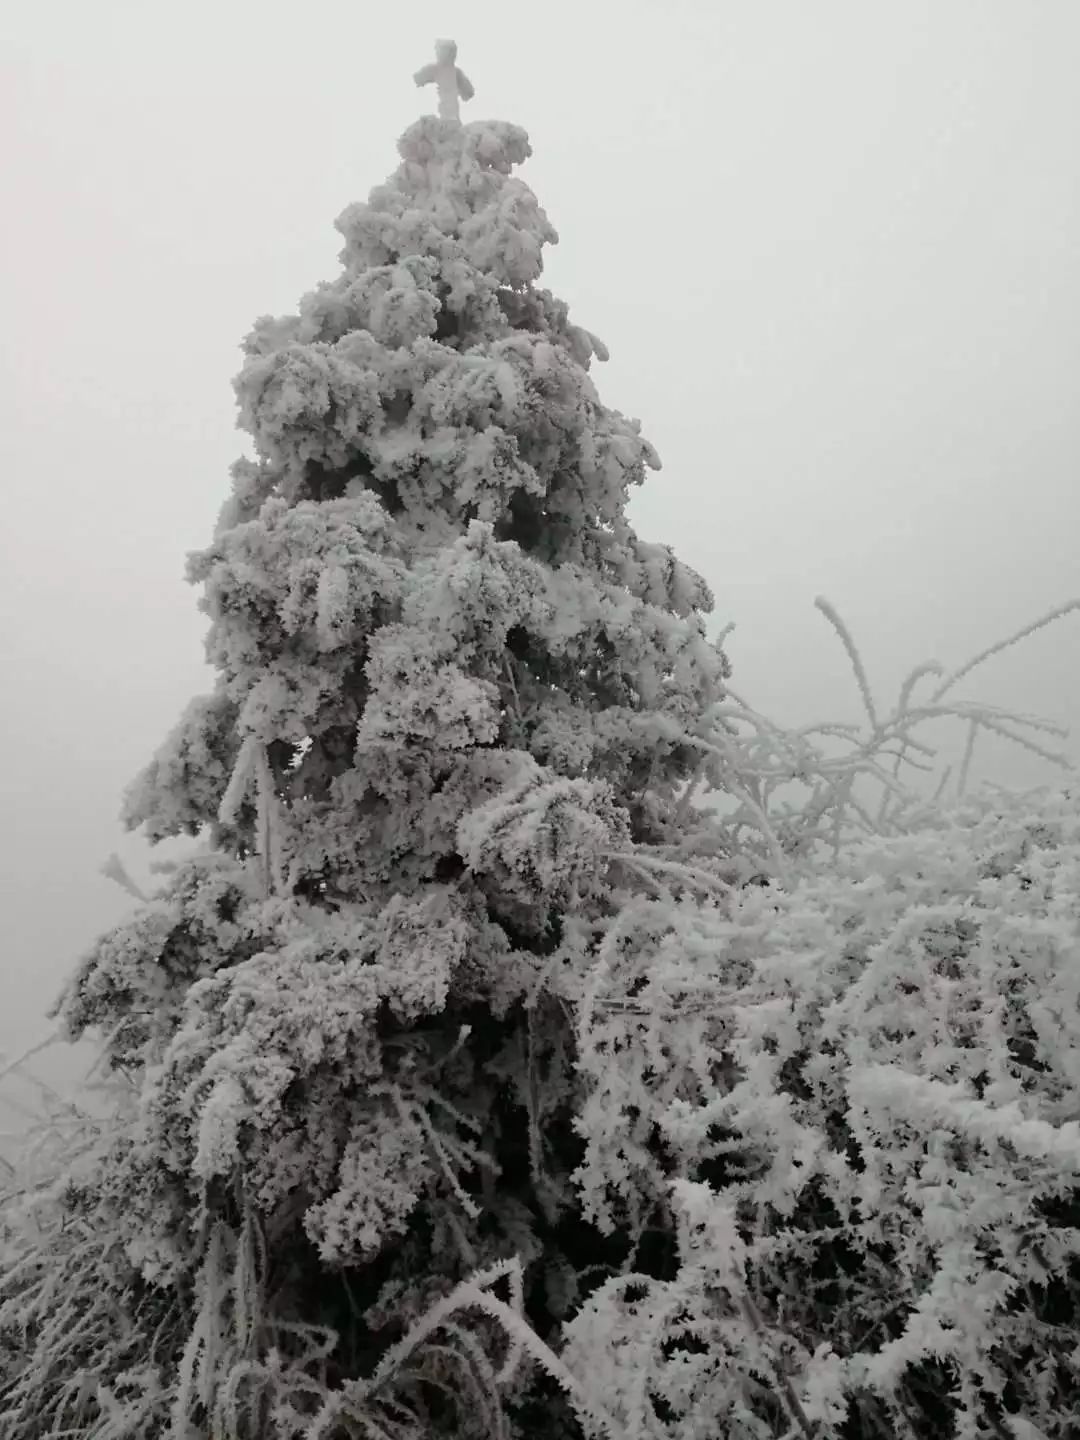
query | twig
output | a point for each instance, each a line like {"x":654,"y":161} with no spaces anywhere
{"x":978,"y":659}
{"x":848,"y":642}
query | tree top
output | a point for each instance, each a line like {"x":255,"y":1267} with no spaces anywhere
{"x":451,"y":83}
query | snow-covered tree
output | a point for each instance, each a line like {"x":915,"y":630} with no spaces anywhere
{"x":453,"y":691}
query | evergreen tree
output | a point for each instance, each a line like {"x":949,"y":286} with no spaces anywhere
{"x":454,"y":693}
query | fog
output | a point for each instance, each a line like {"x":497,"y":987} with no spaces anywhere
{"x":831,"y":247}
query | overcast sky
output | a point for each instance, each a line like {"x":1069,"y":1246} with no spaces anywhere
{"x":831,"y":246}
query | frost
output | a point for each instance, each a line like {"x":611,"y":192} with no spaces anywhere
{"x":415,"y":699}
{"x":876,"y":1070}
{"x":545,"y":841}
{"x":449,"y":80}
{"x":380,"y":1176}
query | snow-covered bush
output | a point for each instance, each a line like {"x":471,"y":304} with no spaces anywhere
{"x":856,"y":1101}
{"x":472,"y":1088}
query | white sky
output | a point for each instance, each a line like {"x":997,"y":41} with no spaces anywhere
{"x":831,"y":246}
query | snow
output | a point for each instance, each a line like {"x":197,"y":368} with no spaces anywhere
{"x":450,"y":82}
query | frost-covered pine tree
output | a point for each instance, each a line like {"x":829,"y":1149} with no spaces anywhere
{"x":453,"y":696}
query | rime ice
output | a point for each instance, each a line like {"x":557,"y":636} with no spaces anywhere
{"x":450,"y":82}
